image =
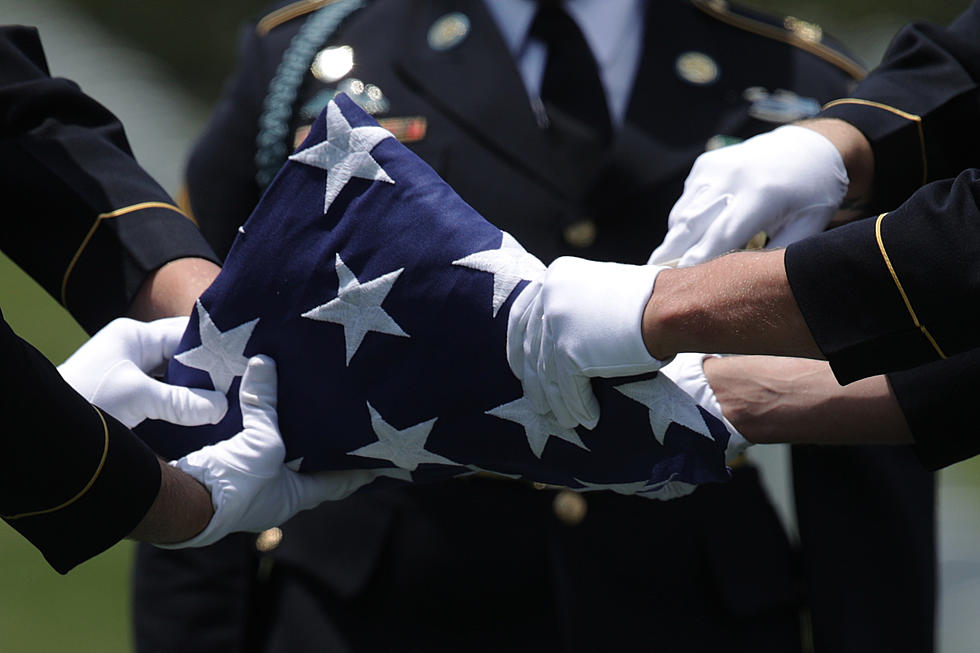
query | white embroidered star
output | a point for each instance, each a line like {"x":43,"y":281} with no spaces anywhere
{"x":510,"y":264}
{"x":538,"y":427}
{"x":480,"y":470}
{"x":667,"y":490}
{"x":357,"y":307}
{"x":355,"y":479}
{"x":618,"y":488}
{"x":341,"y":483}
{"x":405,"y":448}
{"x":345,"y":154}
{"x":667,"y":404}
{"x":220,"y":353}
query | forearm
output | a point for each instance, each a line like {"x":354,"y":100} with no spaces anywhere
{"x":772,"y":399}
{"x":181,"y":510}
{"x":740,"y":303}
{"x":172,"y":289}
{"x":858,"y":158}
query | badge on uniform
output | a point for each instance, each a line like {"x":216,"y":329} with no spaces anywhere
{"x":408,"y":129}
{"x":697,"y":68}
{"x":780,"y":106}
{"x":448,"y":31}
{"x":333,"y":64}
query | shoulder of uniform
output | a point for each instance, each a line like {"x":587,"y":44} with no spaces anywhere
{"x":288,"y":11}
{"x":787,"y":29}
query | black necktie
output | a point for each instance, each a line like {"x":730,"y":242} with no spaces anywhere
{"x":571,"y":81}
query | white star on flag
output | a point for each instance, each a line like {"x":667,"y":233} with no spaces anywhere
{"x":618,"y":488}
{"x":357,"y":307}
{"x":220,"y":354}
{"x":510,"y":264}
{"x":668,"y":404}
{"x":538,"y":427}
{"x":358,"y":478}
{"x":405,"y":448}
{"x":669,"y":489}
{"x":345,"y":154}
{"x":480,"y":470}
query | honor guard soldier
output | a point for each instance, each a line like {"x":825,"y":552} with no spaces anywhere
{"x":75,"y":480}
{"x":572,"y":126}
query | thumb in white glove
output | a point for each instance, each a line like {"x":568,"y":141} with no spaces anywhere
{"x":687,"y":371}
{"x":112,"y":370}
{"x":582,"y":320}
{"x":251,"y":487}
{"x":788,"y":183}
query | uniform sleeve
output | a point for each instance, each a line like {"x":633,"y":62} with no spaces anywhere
{"x":81,"y":216}
{"x":894,"y":292}
{"x":918,"y":109}
{"x":935,"y":399}
{"x":73,"y":480}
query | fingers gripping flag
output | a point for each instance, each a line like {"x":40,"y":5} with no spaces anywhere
{"x":383,"y":298}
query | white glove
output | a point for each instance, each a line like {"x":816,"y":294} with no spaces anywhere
{"x":788,"y":183}
{"x":687,"y":371}
{"x":112,"y":370}
{"x":583,"y":319}
{"x":251,"y":487}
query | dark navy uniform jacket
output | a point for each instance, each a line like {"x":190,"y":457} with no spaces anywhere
{"x":87,"y":223}
{"x":486,"y":564}
{"x":898,"y":293}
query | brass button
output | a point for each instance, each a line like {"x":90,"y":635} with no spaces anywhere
{"x":757,"y":241}
{"x":570,"y":507}
{"x":268,"y":540}
{"x":580,"y":233}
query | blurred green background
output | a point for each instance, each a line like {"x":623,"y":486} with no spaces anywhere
{"x":191,"y":45}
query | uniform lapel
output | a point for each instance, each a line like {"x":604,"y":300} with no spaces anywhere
{"x":640,"y":150}
{"x":477,"y":85}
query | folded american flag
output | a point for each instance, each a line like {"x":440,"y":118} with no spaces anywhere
{"x":383,"y":298}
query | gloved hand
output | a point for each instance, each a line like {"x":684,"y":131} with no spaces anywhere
{"x":687,"y":371}
{"x":112,"y":369}
{"x":788,"y":183}
{"x":581,"y":320}
{"x":251,"y":487}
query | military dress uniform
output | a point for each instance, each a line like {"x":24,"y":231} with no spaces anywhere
{"x":900,"y":291}
{"x":87,"y":223}
{"x":490,"y":564}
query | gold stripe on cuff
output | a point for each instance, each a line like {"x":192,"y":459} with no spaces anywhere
{"x":901,"y":290}
{"x":184,"y":204}
{"x":898,"y":112}
{"x":98,"y":220}
{"x":88,"y":486}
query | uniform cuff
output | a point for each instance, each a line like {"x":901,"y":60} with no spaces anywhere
{"x":851,"y":304}
{"x":898,"y":144}
{"x":119,"y":497}
{"x":150,"y":238}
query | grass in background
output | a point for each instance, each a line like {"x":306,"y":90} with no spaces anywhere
{"x":86,"y":611}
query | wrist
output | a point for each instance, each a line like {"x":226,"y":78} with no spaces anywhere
{"x":618,"y":311}
{"x":182,"y":509}
{"x":172,"y":289}
{"x":858,"y":157}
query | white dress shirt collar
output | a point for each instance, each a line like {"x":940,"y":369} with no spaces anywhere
{"x":612,"y":28}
